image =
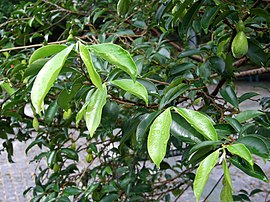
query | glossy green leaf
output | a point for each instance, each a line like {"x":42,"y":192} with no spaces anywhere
{"x":158,"y":137}
{"x":69,"y":153}
{"x":46,"y":77}
{"x":247,"y":96}
{"x":51,"y":159}
{"x":182,"y":130}
{"x":208,"y":16}
{"x":234,"y":123}
{"x":172,"y":94}
{"x":123,"y":6}
{"x":256,"y":145}
{"x":230,"y":96}
{"x":94,"y":109}
{"x":204,"y":144}
{"x":256,"y":53}
{"x":86,"y":57}
{"x":50,"y":112}
{"x":117,"y":56}
{"x":135,"y":88}
{"x":71,"y":191}
{"x":143,"y":128}
{"x":200,"y":122}
{"x":256,"y":172}
{"x":227,"y":190}
{"x":46,"y":51}
{"x":203,"y":173}
{"x":241,"y":150}
{"x":247,"y":115}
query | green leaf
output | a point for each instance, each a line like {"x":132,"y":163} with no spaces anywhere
{"x":247,"y":96}
{"x":94,"y":109}
{"x":246,"y":115}
{"x":190,"y":15}
{"x":51,"y":159}
{"x":200,"y":122}
{"x":46,"y":77}
{"x":229,"y":95}
{"x":46,"y":51}
{"x":227,"y":190}
{"x":50,"y":112}
{"x":123,"y":6}
{"x":86,"y":57}
{"x":71,"y":191}
{"x":117,"y":56}
{"x":110,"y":198}
{"x":204,"y":144}
{"x":172,"y":94}
{"x":208,"y":16}
{"x":6,"y":86}
{"x":234,"y":123}
{"x":256,"y":172}
{"x":256,"y":145}
{"x":203,"y":173}
{"x":35,"y":67}
{"x":256,"y":53}
{"x":70,"y":153}
{"x":65,"y":97}
{"x":182,"y":130}
{"x":135,"y":88}
{"x":241,"y":150}
{"x":158,"y":137}
{"x":143,"y":127}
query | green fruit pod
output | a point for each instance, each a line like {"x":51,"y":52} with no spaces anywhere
{"x":239,"y":45}
{"x":35,"y":123}
{"x":67,"y":114}
{"x":89,"y":158}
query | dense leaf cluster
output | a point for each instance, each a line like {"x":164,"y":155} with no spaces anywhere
{"x":111,"y":90}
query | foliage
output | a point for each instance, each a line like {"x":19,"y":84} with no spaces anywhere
{"x":124,"y":83}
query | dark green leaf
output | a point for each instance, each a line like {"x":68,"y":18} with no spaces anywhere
{"x":71,"y":191}
{"x":247,"y":96}
{"x":51,"y":112}
{"x":69,"y":153}
{"x":230,"y":96}
{"x":110,"y":198}
{"x":208,"y":16}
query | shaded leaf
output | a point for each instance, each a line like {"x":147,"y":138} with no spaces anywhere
{"x":229,"y":95}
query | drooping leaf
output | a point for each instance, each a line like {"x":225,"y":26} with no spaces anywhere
{"x":247,"y":114}
{"x":143,"y":127}
{"x":241,"y":150}
{"x":86,"y":57}
{"x":46,"y":51}
{"x":94,"y":109}
{"x":256,"y":172}
{"x":117,"y":56}
{"x":200,"y":122}
{"x":203,"y":173}
{"x":135,"y":88}
{"x":230,"y":96}
{"x":182,"y":130}
{"x":46,"y":77}
{"x":69,"y":153}
{"x":227,"y":190}
{"x":204,"y":144}
{"x":256,"y":145}
{"x":234,"y":123}
{"x":51,"y":158}
{"x":50,"y":112}
{"x":158,"y":137}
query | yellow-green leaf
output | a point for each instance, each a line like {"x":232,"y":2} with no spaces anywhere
{"x":158,"y":137}
{"x":135,"y":88}
{"x":46,"y":77}
{"x":117,"y":56}
{"x":203,"y":173}
{"x":86,"y":57}
{"x":94,"y":109}
{"x":227,"y":190}
{"x":241,"y":150}
{"x":200,"y":122}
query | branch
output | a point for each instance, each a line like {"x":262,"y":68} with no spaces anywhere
{"x":252,"y":72}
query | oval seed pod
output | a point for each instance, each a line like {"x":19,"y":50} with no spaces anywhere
{"x":239,"y":45}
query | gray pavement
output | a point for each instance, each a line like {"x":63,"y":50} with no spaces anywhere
{"x":16,"y":177}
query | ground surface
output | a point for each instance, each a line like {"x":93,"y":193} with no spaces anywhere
{"x":15,"y":178}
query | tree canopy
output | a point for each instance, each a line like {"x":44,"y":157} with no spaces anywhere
{"x":124,"y":86}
